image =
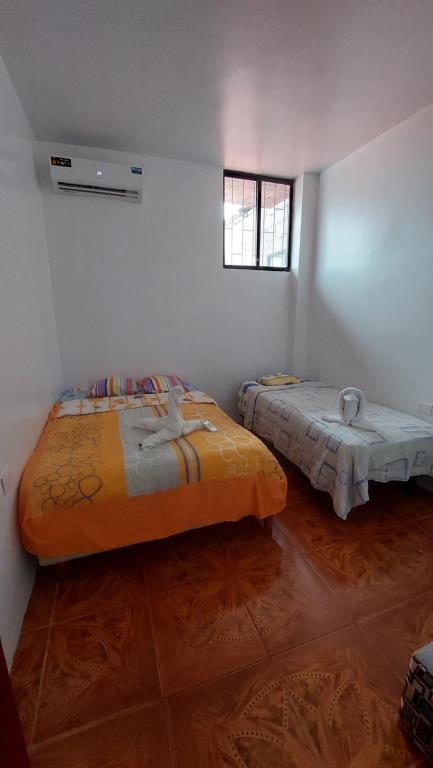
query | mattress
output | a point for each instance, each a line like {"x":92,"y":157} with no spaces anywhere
{"x":336,"y":458}
{"x":88,"y":487}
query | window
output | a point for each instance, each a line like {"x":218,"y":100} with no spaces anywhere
{"x":257,"y":221}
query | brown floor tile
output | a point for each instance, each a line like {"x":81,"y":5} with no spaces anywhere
{"x":407,"y":499}
{"x":373,"y":574}
{"x":243,"y":719}
{"x":313,"y":526}
{"x":396,"y":634}
{"x":168,"y":562}
{"x":251,"y":529}
{"x":290,"y":604}
{"x":100,"y":582}
{"x":348,"y":701}
{"x":41,"y":603}
{"x":26,"y":674}
{"x":222,"y":599}
{"x":426,"y":525}
{"x":97,"y":666}
{"x":287,"y":601}
{"x":225,"y":553}
{"x":135,"y":740}
{"x":202,"y":631}
{"x":249,"y":546}
{"x":198,"y":594}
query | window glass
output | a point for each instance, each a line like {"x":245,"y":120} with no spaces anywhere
{"x":240,"y":222}
{"x":274,"y":225}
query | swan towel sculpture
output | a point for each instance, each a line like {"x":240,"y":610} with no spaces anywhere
{"x":351,"y":410}
{"x":170,"y":427}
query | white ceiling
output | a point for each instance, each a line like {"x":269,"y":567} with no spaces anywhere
{"x":277,"y":86}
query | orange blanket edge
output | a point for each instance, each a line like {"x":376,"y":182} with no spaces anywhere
{"x":155,"y":516}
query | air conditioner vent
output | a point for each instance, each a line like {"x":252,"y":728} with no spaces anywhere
{"x":93,"y":189}
{"x":77,"y":176}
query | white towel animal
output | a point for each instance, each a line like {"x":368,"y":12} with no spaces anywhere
{"x":351,"y":409}
{"x":170,"y":427}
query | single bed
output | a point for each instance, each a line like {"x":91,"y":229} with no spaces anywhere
{"x":337,"y":459}
{"x":88,"y":487}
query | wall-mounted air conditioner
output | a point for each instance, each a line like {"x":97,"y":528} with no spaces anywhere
{"x":75,"y":176}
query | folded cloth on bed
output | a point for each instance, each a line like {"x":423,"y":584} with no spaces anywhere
{"x":74,"y":393}
{"x":351,"y":409}
{"x":170,"y":427}
{"x":271,"y":380}
{"x":92,"y":405}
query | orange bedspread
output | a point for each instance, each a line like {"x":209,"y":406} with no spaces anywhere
{"x":88,"y":487}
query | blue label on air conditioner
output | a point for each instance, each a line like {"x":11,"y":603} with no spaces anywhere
{"x":136,"y":169}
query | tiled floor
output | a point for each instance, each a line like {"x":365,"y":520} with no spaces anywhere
{"x":235,"y":645}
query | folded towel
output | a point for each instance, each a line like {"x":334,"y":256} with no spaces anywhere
{"x":278,"y":378}
{"x":351,"y":410}
{"x":170,"y":427}
{"x":351,"y":405}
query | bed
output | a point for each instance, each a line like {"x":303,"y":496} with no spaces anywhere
{"x":337,"y":459}
{"x":88,"y":487}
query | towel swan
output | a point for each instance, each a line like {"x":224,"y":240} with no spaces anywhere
{"x":170,"y":427}
{"x":351,"y":410}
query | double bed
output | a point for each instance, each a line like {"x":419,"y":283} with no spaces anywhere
{"x":338,"y":459}
{"x":88,"y":487}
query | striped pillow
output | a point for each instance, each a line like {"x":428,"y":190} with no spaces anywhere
{"x":113,"y":386}
{"x":158,"y":383}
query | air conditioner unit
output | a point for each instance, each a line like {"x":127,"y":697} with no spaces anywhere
{"x":75,"y":176}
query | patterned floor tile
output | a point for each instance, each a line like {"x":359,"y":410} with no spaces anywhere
{"x":96,"y":666}
{"x":408,"y":500}
{"x":397,"y":633}
{"x":198,"y":587}
{"x":347,"y":700}
{"x":373,"y":574}
{"x":426,"y":525}
{"x":252,"y":529}
{"x":41,"y":603}
{"x":202,"y":631}
{"x":135,"y":740}
{"x":313,"y":526}
{"x":289,"y":604}
{"x":222,"y":599}
{"x":171,"y":561}
{"x":310,"y":526}
{"x":26,"y":675}
{"x":100,"y":582}
{"x":244,"y":719}
{"x":226,"y":554}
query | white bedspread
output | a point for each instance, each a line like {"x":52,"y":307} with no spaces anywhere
{"x":337,"y":458}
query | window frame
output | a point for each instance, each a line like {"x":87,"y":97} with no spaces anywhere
{"x":259,"y":178}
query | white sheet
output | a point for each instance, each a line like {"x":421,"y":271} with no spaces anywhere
{"x":337,"y":458}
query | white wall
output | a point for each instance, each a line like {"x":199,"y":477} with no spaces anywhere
{"x":29,"y":359}
{"x":371,"y":322}
{"x":141,"y":289}
{"x":303,"y":260}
